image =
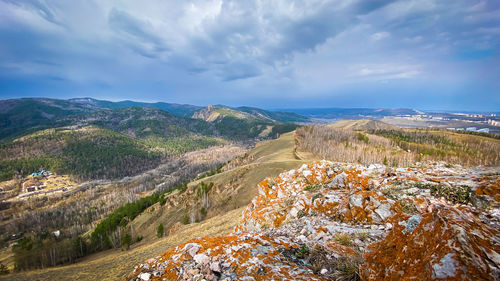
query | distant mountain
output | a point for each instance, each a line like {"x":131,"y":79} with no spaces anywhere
{"x":93,"y":139}
{"x":184,"y":110}
{"x":245,"y":122}
{"x":27,"y":115}
{"x":18,"y":115}
{"x":351,"y":113}
{"x":143,"y":122}
{"x":276,"y":116}
{"x":105,"y":143}
{"x":213,"y":112}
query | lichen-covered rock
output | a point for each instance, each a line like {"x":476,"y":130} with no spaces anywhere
{"x":343,"y":192}
{"x":248,"y":256}
{"x":423,"y":223}
{"x":449,"y":243}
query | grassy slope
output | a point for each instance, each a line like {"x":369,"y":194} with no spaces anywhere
{"x":236,"y":187}
{"x":268,"y":159}
{"x":115,"y":264}
{"x":364,"y":124}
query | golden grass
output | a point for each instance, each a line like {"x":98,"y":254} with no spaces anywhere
{"x":115,"y":264}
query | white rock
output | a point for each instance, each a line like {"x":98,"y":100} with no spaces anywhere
{"x":324,"y":271}
{"x":356,"y":200}
{"x":201,"y":259}
{"x":145,"y":276}
{"x":302,"y":238}
{"x":388,"y":225}
{"x":384,"y":211}
{"x":193,"y":251}
{"x":339,"y":180}
{"x":215,"y":266}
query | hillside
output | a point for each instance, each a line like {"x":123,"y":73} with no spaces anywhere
{"x":105,"y":144}
{"x":315,"y":221}
{"x":18,"y":115}
{"x":362,"y":125}
{"x":182,"y":110}
{"x":372,"y":142}
{"x":24,"y":116}
{"x":233,"y":188}
{"x":339,"y":221}
{"x":275,"y":116}
{"x":87,"y":153}
{"x":248,"y":122}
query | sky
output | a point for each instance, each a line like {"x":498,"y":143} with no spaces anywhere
{"x":421,"y":54}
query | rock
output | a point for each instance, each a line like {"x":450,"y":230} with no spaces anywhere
{"x":440,"y":242}
{"x":451,"y":243}
{"x":411,"y":224}
{"x":198,"y":277}
{"x":193,"y":251}
{"x":356,"y":200}
{"x":145,"y":276}
{"x":215,"y":266}
{"x":201,"y":259}
{"x":384,"y":211}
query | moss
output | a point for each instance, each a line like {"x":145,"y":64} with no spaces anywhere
{"x":316,"y":196}
{"x":455,"y":194}
{"x":343,"y":239}
{"x":302,"y":252}
{"x":301,"y":213}
{"x":313,"y":187}
{"x":408,"y":207}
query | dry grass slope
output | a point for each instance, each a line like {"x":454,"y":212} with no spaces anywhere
{"x":233,"y":189}
{"x":115,"y":264}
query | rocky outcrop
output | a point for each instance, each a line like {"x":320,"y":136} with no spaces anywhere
{"x":208,"y":114}
{"x":329,"y":221}
{"x":447,"y":244}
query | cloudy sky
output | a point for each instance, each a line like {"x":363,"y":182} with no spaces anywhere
{"x":424,"y":54}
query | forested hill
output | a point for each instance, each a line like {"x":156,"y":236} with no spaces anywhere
{"x":23,"y":116}
{"x":87,"y":141}
{"x":19,"y":115}
{"x":183,"y":110}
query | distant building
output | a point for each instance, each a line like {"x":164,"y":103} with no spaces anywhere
{"x":471,"y":129}
{"x":493,"y":122}
{"x":484,"y":130}
{"x":31,"y":185}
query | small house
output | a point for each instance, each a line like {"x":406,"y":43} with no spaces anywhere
{"x":31,"y":185}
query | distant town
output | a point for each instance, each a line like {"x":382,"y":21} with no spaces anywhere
{"x":470,"y":122}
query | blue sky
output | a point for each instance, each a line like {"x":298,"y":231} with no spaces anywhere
{"x":421,"y":54}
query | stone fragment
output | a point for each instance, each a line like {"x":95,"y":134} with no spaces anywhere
{"x":145,"y":276}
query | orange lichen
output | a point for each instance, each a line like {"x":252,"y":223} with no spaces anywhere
{"x":490,"y":188}
{"x":449,"y":243}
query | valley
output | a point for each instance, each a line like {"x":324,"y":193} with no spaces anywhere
{"x":99,"y":191}
{"x":249,"y":140}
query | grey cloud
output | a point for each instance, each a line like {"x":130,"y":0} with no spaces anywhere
{"x":144,"y":41}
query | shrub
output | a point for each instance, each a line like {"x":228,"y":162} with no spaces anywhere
{"x":159,"y":230}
